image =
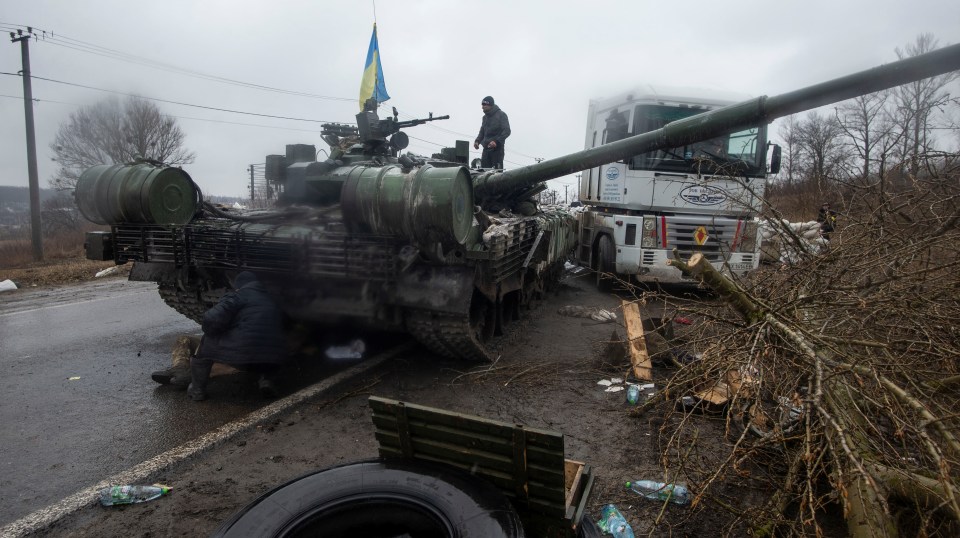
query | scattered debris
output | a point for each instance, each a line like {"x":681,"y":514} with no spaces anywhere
{"x":639,"y":358}
{"x":573,"y":268}
{"x":592,"y":312}
{"x":614,"y":384}
{"x":7,"y":285}
{"x":354,"y":350}
{"x":116,"y":495}
{"x":107,"y":272}
{"x":612,"y":522}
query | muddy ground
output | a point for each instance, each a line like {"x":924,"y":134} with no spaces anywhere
{"x":546,"y":378}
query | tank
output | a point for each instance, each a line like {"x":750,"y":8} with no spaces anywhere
{"x":373,"y":238}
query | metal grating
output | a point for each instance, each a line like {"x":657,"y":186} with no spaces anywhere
{"x":720,"y":235}
{"x":227,"y":245}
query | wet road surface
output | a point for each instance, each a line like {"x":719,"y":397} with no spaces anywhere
{"x":78,"y":403}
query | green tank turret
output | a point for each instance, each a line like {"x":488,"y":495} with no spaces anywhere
{"x":372,"y":238}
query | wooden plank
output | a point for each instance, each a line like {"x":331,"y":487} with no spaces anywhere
{"x":526,"y":464}
{"x":538,"y":492}
{"x":573,"y":473}
{"x":639,"y":358}
{"x":534,"y":436}
{"x":548,"y":474}
{"x":479,"y":442}
{"x":718,"y":394}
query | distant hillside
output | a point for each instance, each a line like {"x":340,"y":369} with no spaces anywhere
{"x":18,"y":198}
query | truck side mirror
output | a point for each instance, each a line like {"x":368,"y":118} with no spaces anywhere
{"x":775,"y":159}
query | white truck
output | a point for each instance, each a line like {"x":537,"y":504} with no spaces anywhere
{"x":700,"y":197}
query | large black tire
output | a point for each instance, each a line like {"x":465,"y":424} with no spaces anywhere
{"x":382,"y":498}
{"x":605,"y":266}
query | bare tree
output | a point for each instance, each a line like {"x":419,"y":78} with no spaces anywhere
{"x":791,"y":158}
{"x":821,"y":148}
{"x":112,"y":132}
{"x":866,"y":124}
{"x":60,"y":215}
{"x":919,"y":104}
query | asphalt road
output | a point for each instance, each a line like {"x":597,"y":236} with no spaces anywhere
{"x":78,"y":404}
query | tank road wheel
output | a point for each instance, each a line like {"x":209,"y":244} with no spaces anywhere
{"x":483,"y":317}
{"x":605,"y":266}
{"x":379,"y":498}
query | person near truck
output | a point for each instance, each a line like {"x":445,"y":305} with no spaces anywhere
{"x":827,"y":219}
{"x":494,"y":130}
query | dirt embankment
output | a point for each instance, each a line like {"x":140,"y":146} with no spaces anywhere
{"x":58,"y":272}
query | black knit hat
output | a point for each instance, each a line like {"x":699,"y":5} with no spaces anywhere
{"x":487,"y":100}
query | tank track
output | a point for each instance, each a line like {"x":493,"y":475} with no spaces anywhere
{"x":187,"y":303}
{"x":447,"y":334}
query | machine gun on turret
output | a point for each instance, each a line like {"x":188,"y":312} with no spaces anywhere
{"x":373,"y":131}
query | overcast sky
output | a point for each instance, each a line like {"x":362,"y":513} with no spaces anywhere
{"x":541,"y":60}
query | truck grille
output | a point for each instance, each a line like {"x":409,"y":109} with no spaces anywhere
{"x":681,"y":234}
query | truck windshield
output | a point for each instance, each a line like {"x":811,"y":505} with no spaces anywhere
{"x":735,"y":154}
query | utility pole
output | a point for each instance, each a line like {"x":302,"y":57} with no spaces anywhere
{"x":24,"y":40}
{"x":565,"y":199}
{"x":251,"y":186}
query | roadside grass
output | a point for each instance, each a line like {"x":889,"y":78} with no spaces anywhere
{"x":63,"y":261}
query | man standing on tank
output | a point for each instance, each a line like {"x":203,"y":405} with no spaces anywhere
{"x":494,"y":131}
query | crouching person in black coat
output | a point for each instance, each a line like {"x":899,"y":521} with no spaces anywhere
{"x":244,"y":330}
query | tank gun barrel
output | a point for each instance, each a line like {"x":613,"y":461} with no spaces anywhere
{"x":728,"y":119}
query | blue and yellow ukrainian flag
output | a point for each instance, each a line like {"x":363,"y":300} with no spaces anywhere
{"x":372,"y":85}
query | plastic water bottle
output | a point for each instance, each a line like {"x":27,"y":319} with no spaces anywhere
{"x":612,"y":521}
{"x":112,"y":495}
{"x":658,"y":491}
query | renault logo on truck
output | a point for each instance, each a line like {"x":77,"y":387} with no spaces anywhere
{"x":703,"y":195}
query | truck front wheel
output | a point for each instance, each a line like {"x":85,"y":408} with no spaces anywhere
{"x":606,"y":264}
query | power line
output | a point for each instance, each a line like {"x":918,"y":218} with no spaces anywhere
{"x":45,"y":36}
{"x":173,"y":102}
{"x":82,"y":46}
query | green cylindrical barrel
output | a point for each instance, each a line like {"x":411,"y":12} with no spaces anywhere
{"x":138,"y":193}
{"x":426,"y":204}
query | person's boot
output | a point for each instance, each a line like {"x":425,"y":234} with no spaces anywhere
{"x":268,"y":386}
{"x":178,"y":375}
{"x":199,"y":376}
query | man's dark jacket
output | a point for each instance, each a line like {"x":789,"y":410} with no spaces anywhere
{"x":245,"y":327}
{"x":494,"y":126}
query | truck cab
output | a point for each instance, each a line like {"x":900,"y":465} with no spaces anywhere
{"x":703,"y":196}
